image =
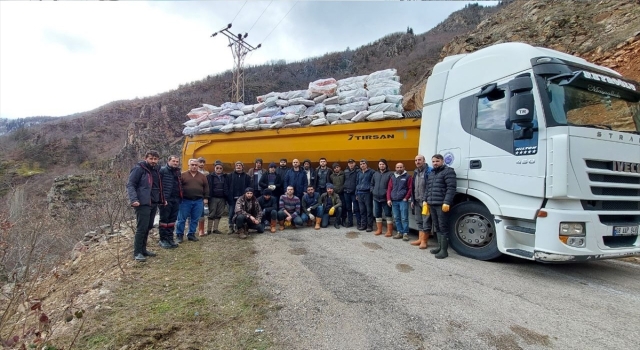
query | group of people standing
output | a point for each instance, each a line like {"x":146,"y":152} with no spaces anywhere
{"x":279,"y":197}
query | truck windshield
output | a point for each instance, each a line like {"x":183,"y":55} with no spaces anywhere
{"x":571,"y":105}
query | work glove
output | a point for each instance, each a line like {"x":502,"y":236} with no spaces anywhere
{"x":445,"y":208}
{"x":311,"y":217}
{"x":272,"y":187}
{"x":425,"y":208}
{"x":332,"y":210}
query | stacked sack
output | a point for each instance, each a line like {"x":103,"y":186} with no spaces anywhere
{"x":370,"y":97}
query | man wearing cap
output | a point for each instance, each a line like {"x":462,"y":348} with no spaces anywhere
{"x":255,"y":174}
{"x":272,"y":181}
{"x":289,"y":211}
{"x":269,"y":205}
{"x":145,"y":194}
{"x":283,"y":168}
{"x":201,"y":164}
{"x":195,"y":189}
{"x":331,"y":206}
{"x":217,"y":197}
{"x":379,"y":184}
{"x":296,"y":178}
{"x":309,"y":207}
{"x":310,"y":172}
{"x":363,"y":195}
{"x":351,"y":203}
{"x":399,"y":196}
{"x":322,"y":178}
{"x":248,"y":214}
{"x":337,"y":179}
{"x":237,"y":182}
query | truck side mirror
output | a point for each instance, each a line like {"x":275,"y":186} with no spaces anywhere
{"x":521,"y":109}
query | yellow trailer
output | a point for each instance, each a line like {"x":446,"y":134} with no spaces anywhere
{"x":394,"y":140}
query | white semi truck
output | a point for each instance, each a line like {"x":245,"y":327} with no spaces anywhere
{"x":546,"y":147}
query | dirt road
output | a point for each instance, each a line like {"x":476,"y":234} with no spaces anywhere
{"x":339,"y":289}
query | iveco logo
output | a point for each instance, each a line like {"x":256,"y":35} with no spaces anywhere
{"x":626,"y":167}
{"x":522,"y":111}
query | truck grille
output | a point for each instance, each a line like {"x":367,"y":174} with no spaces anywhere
{"x":606,"y":182}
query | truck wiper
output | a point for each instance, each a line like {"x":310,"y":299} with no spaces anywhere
{"x":596,"y":126}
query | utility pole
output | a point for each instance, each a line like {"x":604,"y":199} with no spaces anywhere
{"x":239,"y":49}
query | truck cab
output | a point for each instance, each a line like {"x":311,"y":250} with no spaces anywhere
{"x":546,"y":148}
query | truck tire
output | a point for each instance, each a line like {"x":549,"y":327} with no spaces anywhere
{"x":472,"y":231}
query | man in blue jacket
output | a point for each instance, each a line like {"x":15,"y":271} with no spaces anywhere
{"x":363,"y":195}
{"x":145,"y":194}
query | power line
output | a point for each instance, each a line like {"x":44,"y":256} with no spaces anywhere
{"x":263,"y":11}
{"x":285,"y":16}
{"x":234,"y":18}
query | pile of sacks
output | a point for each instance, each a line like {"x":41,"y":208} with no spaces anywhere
{"x":328,"y":101}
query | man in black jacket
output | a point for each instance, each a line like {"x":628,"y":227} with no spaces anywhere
{"x":237,"y":182}
{"x":273,"y":181}
{"x":351,"y":206}
{"x":322,"y":177}
{"x":269,"y":205}
{"x":363,"y":195}
{"x":441,"y":188}
{"x":145,"y":194}
{"x":217,"y":197}
{"x":172,"y":190}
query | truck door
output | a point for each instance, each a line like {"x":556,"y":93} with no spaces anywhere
{"x":505,"y":160}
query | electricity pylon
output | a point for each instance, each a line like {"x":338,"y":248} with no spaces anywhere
{"x":239,"y":49}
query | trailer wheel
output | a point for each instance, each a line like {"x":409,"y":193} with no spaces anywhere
{"x":472,"y":231}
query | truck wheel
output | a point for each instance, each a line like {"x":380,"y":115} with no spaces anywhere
{"x":472,"y":231}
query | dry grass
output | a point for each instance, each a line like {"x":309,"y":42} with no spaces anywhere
{"x":202,"y":295}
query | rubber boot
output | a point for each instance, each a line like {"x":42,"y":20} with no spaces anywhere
{"x":389,"y":230}
{"x":378,"y":228}
{"x":209,"y":226}
{"x":419,"y":240}
{"x":444,"y":246}
{"x":318,"y":221}
{"x":436,"y":250}
{"x":273,"y":226}
{"x":201,"y":228}
{"x":424,"y":243}
{"x":281,"y":225}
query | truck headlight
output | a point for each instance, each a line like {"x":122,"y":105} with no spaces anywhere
{"x":573,"y":234}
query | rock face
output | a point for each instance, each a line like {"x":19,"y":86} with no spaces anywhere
{"x":604,"y":32}
{"x":71,"y":192}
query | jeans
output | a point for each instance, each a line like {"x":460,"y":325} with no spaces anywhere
{"x":352,"y":207}
{"x":325,"y":217}
{"x":168,"y":216}
{"x":317,"y":213}
{"x":401,"y":215}
{"x":297,"y":220}
{"x":366,"y":208}
{"x":268,"y":215}
{"x":242,"y":220}
{"x":144,"y":222}
{"x":192,"y":209}
{"x":379,"y":207}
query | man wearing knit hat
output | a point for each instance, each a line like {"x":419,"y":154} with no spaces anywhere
{"x":248,"y":214}
{"x":363,"y":195}
{"x":379,"y":184}
{"x":310,"y":172}
{"x":273,"y":181}
{"x":331,"y":206}
{"x":238,"y":182}
{"x":269,"y":205}
{"x":217,"y":197}
{"x":350,"y":201}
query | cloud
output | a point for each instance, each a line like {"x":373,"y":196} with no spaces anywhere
{"x":60,"y":58}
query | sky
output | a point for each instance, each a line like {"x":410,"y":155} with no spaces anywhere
{"x":59,"y":58}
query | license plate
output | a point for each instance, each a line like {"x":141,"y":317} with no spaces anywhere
{"x":625,"y":230}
